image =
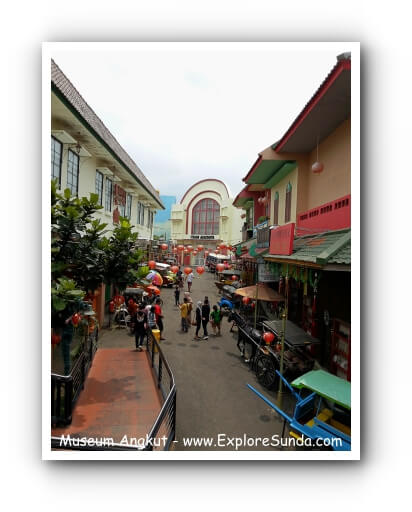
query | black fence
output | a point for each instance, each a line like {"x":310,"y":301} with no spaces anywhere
{"x":163,"y":431}
{"x":65,"y":389}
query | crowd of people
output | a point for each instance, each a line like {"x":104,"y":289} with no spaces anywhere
{"x":150,"y":317}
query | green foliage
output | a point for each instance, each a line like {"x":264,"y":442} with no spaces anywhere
{"x":122,"y":257}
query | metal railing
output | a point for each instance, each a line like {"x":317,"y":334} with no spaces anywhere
{"x":65,"y":389}
{"x":163,"y":431}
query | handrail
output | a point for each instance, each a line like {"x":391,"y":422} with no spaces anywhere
{"x":163,"y":431}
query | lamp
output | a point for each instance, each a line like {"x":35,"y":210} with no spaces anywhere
{"x":317,"y":167}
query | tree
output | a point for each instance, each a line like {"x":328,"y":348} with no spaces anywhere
{"x":122,"y":256}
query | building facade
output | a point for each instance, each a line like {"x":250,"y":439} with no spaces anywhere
{"x":86,"y":158}
{"x":206,"y":216}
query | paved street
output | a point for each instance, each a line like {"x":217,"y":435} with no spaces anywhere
{"x":212,"y":397}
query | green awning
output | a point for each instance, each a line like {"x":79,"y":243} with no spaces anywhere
{"x":326,"y":385}
{"x":280,"y":174}
{"x":264,"y":171}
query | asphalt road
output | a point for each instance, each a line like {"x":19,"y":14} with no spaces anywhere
{"x":212,"y":398}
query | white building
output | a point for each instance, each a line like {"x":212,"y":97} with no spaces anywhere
{"x":85,"y":157}
{"x":206,"y":216}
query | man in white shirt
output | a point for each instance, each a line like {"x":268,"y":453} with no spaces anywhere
{"x":189,"y":280}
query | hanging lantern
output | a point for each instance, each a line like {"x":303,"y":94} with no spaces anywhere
{"x":246,"y":300}
{"x":185,"y":251}
{"x":151,"y":264}
{"x":234,"y":278}
{"x":189,"y":248}
{"x":264,"y":200}
{"x":180,"y":248}
{"x":174,"y":269}
{"x":200,"y":248}
{"x":317,"y":167}
{"x":194,"y":253}
{"x":200,"y":270}
{"x":223,"y":246}
{"x":220,"y":267}
{"x":259,"y":200}
{"x":187,"y":270}
{"x":268,"y":337}
{"x":76,"y":319}
{"x":174,"y":250}
{"x":55,"y":339}
{"x":164,"y":247}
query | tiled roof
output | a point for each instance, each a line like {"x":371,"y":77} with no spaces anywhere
{"x":67,"y":89}
{"x":323,"y":248}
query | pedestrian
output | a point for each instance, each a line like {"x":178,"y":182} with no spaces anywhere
{"x":177,"y":295}
{"x":205,"y":318}
{"x":198,"y":319}
{"x":183,"y":314}
{"x":189,"y":309}
{"x":140,"y":328}
{"x":151,"y":318}
{"x":159,"y":317}
{"x":189,"y":280}
{"x":216,"y":318}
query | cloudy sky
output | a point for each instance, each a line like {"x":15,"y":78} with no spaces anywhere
{"x":186,"y":113}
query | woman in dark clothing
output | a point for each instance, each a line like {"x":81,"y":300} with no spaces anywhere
{"x":205,"y":318}
{"x":198,"y":319}
{"x":140,"y":328}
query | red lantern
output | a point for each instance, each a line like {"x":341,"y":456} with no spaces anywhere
{"x":164,"y":247}
{"x":174,"y":250}
{"x":174,"y":269}
{"x":317,"y":167}
{"x":152,"y":264}
{"x":187,"y":270}
{"x":220,"y":267}
{"x":185,"y":251}
{"x":200,"y":248}
{"x":268,"y":337}
{"x":189,"y":248}
{"x":111,"y":306}
{"x":76,"y":319}
{"x":234,"y":278}
{"x":200,"y":270}
{"x":194,"y":253}
{"x":55,"y":339}
{"x":180,"y":248}
{"x":246,"y":300}
{"x":223,"y":246}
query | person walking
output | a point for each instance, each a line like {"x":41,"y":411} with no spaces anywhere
{"x":216,"y":318}
{"x":151,"y":318}
{"x":189,"y":308}
{"x":189,"y":280}
{"x":140,"y":328}
{"x":159,"y":317}
{"x":183,"y":314}
{"x":198,"y":319}
{"x":205,"y":318}
{"x":177,"y":295}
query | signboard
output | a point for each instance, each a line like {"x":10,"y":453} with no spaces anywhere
{"x":281,"y":239}
{"x":266,"y":273}
{"x":202,"y":237}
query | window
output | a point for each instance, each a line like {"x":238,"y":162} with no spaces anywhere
{"x":56,"y":159}
{"x":99,"y":186}
{"x":288,"y":202}
{"x":128,"y":206}
{"x":108,"y":196}
{"x":276,"y":209}
{"x":73,"y":172}
{"x":205,"y":217}
{"x":149,"y":213}
{"x":142,"y":215}
{"x":139,"y":207}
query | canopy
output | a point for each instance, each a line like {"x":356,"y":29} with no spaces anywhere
{"x":162,"y":266}
{"x":327,"y":385}
{"x":263,"y":293}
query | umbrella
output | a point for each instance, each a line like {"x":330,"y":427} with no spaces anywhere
{"x":263,"y":293}
{"x":155,"y":278}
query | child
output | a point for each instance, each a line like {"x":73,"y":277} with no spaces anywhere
{"x":216,"y":318}
{"x":177,"y":295}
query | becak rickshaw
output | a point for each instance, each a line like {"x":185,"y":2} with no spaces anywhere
{"x":321,"y":418}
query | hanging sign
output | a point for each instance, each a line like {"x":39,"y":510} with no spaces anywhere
{"x":281,"y":239}
{"x":266,"y":273}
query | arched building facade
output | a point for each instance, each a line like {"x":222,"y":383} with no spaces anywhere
{"x":205,"y":216}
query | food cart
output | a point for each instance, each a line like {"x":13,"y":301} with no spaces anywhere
{"x":323,"y":416}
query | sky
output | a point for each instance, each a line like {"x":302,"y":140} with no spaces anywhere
{"x":185,"y":113}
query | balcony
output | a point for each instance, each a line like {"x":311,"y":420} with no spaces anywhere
{"x":247,"y":232}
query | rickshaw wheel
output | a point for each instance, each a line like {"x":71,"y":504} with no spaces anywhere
{"x":265,"y":367}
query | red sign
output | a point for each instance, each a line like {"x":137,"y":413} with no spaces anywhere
{"x":281,"y":239}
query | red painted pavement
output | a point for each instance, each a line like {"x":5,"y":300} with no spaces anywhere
{"x":119,"y":398}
